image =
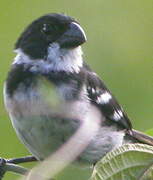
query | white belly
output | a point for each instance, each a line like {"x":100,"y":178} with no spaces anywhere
{"x":43,"y":135}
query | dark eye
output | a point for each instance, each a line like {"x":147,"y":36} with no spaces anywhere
{"x":46,"y":29}
{"x":49,"y":29}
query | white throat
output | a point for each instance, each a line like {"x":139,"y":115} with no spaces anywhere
{"x":68,"y":60}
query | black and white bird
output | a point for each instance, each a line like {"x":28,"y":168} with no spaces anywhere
{"x":49,"y":57}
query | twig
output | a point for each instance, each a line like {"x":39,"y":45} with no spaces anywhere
{"x":10,"y":165}
{"x":15,"y":168}
{"x":4,"y":167}
{"x":21,"y":160}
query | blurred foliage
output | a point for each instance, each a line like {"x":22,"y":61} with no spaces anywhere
{"x":128,"y":162}
{"x":149,"y":132}
{"x":119,"y":49}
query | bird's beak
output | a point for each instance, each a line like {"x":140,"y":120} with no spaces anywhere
{"x":73,"y":37}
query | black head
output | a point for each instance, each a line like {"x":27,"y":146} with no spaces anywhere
{"x":59,"y":28}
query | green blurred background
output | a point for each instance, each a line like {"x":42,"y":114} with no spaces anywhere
{"x":119,"y":49}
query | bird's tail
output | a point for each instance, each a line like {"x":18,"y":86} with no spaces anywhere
{"x":138,"y":136}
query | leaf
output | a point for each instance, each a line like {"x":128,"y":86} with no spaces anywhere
{"x":128,"y":162}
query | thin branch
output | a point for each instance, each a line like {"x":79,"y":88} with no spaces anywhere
{"x":15,"y":168}
{"x":10,"y":165}
{"x":21,"y":160}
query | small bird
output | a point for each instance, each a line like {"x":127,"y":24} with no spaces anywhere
{"x":49,"y":81}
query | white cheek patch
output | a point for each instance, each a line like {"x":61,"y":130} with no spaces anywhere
{"x":68,"y":60}
{"x":104,"y":98}
{"x":117,"y":115}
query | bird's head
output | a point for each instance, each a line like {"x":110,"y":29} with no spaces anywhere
{"x":47,"y":31}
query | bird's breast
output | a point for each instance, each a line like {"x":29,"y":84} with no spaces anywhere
{"x":44,"y":116}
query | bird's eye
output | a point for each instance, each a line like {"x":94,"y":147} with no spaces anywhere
{"x":46,"y":29}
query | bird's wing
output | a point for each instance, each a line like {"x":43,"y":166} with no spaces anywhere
{"x":105,"y":101}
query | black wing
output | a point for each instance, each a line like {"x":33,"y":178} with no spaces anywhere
{"x":105,"y":101}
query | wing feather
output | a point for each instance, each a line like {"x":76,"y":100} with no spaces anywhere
{"x":105,"y":101}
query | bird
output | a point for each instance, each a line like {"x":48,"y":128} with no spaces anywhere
{"x":49,"y":81}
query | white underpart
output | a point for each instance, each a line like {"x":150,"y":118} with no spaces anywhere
{"x":117,"y":115}
{"x":64,"y":59}
{"x":104,"y":98}
{"x":93,"y":90}
{"x":68,"y":60}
